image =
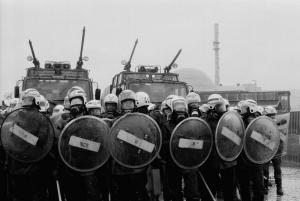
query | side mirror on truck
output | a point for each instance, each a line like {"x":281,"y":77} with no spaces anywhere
{"x":97,"y":94}
{"x":17,"y":92}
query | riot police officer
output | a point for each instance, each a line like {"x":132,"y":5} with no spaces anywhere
{"x":58,"y":109}
{"x":144,"y":106}
{"x":215,"y":166}
{"x":76,"y":185}
{"x":227,"y":104}
{"x":94,"y":108}
{"x":193,"y":100}
{"x":67,"y":103}
{"x":44,"y":106}
{"x":142,"y":102}
{"x":128,"y":184}
{"x":103,"y":173}
{"x":27,"y":180}
{"x":271,"y":111}
{"x":3,"y":176}
{"x":63,"y":116}
{"x":165,"y":111}
{"x":246,"y":170}
{"x":110,"y":103}
{"x":173,"y":175}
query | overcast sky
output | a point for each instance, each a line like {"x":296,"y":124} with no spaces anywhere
{"x":260,"y":40}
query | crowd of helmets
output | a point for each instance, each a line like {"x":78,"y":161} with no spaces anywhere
{"x":142,"y":99}
{"x":10,"y":104}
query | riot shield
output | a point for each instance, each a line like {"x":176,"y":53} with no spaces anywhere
{"x":135,"y":140}
{"x":83,"y":143}
{"x":108,"y":121}
{"x":191,"y":143}
{"x":261,"y":140}
{"x":282,"y":122}
{"x":27,"y":135}
{"x":229,"y":136}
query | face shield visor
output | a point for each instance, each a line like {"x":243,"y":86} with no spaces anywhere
{"x":110,"y":107}
{"x":194,"y":105}
{"x":95,"y":111}
{"x":56,"y":111}
{"x":29,"y":100}
{"x":179,"y":106}
{"x":128,"y":105}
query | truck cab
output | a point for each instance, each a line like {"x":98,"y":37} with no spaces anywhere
{"x":148,"y":78}
{"x":55,"y":79}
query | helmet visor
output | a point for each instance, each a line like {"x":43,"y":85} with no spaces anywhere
{"x":128,"y":105}
{"x":27,"y":100}
{"x":179,"y":106}
{"x":76,"y":101}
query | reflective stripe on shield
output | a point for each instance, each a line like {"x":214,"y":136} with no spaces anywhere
{"x":261,"y":140}
{"x":229,"y":136}
{"x":191,"y":143}
{"x":135,"y":140}
{"x":27,"y":135}
{"x":83,"y":143}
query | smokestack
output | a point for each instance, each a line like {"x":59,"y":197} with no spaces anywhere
{"x":216,"y":49}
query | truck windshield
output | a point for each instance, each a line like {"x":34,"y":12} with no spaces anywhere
{"x":158,"y":91}
{"x":149,"y":76}
{"x":56,"y":90}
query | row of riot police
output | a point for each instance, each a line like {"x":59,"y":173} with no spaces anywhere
{"x":125,"y":151}
{"x":209,"y":149}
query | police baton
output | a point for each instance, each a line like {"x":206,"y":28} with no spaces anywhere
{"x":207,"y":187}
{"x":58,"y":190}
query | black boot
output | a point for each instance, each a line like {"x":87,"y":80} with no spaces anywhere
{"x":279,"y":190}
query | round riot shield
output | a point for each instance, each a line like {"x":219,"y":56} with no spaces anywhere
{"x":27,"y":135}
{"x":229,"y":136}
{"x":261,"y":140}
{"x":135,"y":140}
{"x":282,"y":122}
{"x":191,"y":143}
{"x":83,"y":143}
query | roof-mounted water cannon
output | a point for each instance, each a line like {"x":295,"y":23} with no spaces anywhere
{"x":32,"y":58}
{"x":85,"y":58}
{"x":148,"y":68}
{"x":172,"y":64}
{"x":127,"y":64}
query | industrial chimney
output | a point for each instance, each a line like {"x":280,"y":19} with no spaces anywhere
{"x":216,"y":49}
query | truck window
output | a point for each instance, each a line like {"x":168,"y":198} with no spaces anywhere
{"x":284,"y":103}
{"x":56,"y":90}
{"x":158,"y":91}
